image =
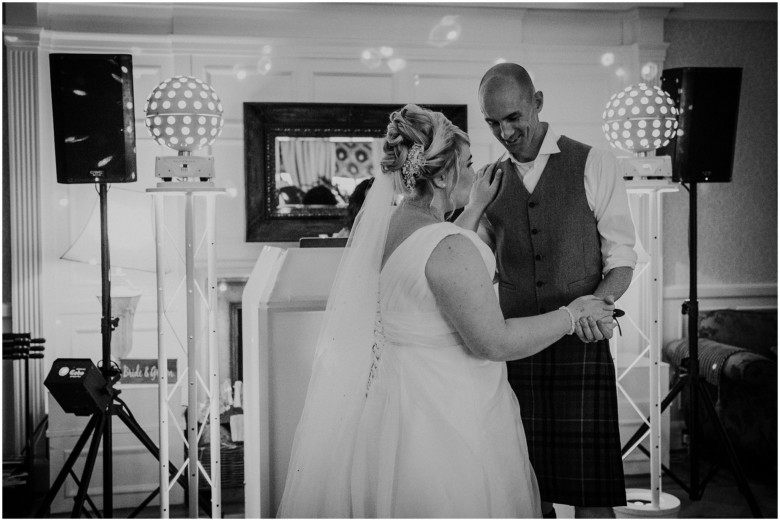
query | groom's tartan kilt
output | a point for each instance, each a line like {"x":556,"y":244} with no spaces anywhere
{"x":568,"y":402}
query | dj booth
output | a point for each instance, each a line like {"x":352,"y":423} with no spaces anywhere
{"x":283,"y":304}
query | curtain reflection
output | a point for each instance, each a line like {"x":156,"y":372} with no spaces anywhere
{"x":306,"y":160}
{"x":322,"y":172}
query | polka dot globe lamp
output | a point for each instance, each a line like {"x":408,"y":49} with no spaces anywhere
{"x":640,"y":119}
{"x":184,"y":113}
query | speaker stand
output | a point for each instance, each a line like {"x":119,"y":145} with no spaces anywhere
{"x":99,"y":425}
{"x":692,"y":380}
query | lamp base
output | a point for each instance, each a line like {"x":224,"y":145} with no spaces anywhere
{"x":647,"y":167}
{"x":168,"y":167}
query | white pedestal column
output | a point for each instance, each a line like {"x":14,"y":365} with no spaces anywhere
{"x":202,"y":375}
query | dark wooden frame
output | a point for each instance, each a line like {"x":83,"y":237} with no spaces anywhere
{"x":264,"y":122}
{"x":236,"y":342}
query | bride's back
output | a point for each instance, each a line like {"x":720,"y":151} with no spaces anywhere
{"x":404,"y":223}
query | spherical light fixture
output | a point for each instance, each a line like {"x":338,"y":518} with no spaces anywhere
{"x":184,"y":113}
{"x":640,"y":119}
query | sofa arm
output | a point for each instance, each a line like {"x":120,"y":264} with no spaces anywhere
{"x":715,"y":360}
{"x":750,"y":368}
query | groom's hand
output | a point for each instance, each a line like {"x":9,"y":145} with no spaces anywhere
{"x":590,"y":330}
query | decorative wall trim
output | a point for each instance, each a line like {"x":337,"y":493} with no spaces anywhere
{"x":725,"y":11}
{"x":767,"y":289}
{"x":25,"y":226}
{"x":337,"y":48}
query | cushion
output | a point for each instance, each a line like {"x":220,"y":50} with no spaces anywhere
{"x":755,"y":330}
{"x":713,"y":356}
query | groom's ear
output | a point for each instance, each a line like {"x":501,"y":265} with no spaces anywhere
{"x":539,"y":100}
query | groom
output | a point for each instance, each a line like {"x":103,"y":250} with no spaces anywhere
{"x":561,"y":228}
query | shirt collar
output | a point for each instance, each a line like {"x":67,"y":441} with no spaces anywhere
{"x":549,"y":146}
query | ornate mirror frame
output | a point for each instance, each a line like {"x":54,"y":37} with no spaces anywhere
{"x":264,"y":122}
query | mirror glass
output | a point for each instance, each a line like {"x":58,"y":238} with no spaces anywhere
{"x":318,"y":174}
{"x":302,"y":162}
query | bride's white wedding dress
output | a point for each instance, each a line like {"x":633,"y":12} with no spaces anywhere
{"x":440,"y":434}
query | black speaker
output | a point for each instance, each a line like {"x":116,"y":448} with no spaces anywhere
{"x":708,"y":101}
{"x":94,"y":123}
{"x":78,"y":386}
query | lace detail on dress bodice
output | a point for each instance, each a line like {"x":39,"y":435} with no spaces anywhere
{"x":376,"y":349}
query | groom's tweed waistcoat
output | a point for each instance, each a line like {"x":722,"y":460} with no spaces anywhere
{"x":548,"y":249}
{"x":548,"y":252}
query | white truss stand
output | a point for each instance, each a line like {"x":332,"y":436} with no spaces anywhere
{"x":194,"y":339}
{"x":651,"y":287}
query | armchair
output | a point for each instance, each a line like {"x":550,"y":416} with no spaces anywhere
{"x":738,"y":361}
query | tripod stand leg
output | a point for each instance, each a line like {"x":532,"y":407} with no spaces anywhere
{"x":144,"y":503}
{"x":89,"y":466}
{"x":91,"y":504}
{"x":736,"y":467}
{"x":129,"y":421}
{"x":60,"y":479}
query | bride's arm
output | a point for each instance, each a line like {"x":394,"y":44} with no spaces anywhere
{"x":457,"y":276}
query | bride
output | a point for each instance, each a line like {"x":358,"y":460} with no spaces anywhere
{"x":408,"y":411}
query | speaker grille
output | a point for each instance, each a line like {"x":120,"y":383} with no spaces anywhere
{"x":708,"y":101}
{"x":94,"y":123}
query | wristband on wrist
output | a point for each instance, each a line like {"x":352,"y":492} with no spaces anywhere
{"x":571,"y":316}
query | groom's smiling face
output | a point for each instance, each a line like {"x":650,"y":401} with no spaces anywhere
{"x":512,"y":113}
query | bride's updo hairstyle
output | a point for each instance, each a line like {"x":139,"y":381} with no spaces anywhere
{"x":420,"y":145}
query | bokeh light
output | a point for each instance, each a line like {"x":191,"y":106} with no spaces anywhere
{"x":445,"y":32}
{"x":263,"y":65}
{"x":396,"y":64}
{"x":371,"y":58}
{"x":649,"y":71}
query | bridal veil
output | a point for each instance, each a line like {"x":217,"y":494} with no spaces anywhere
{"x":318,"y":477}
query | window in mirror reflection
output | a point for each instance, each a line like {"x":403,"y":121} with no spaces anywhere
{"x":322,"y":172}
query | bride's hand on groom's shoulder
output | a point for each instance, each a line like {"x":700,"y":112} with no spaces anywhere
{"x":486,"y":184}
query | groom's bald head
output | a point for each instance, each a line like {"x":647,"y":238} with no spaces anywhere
{"x":504,"y":74}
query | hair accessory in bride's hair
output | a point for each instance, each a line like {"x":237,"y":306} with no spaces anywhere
{"x":411,"y":168}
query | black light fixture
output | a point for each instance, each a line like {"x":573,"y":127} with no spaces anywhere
{"x":78,"y":386}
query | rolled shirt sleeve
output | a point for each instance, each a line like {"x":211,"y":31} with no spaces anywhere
{"x":607,"y":197}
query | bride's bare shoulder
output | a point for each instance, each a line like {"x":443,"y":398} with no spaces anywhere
{"x":453,"y":257}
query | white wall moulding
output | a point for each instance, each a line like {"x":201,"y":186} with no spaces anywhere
{"x":717,"y":291}
{"x":25,"y":229}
